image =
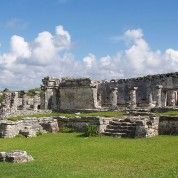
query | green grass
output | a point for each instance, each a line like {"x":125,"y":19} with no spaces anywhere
{"x":68,"y":155}
{"x":169,"y":113}
{"x":54,"y":114}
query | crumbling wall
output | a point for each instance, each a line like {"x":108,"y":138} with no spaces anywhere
{"x":29,"y":127}
{"x":79,"y":124}
{"x":49,"y":95}
{"x":147,"y":87}
{"x":168,"y":125}
{"x":76,"y":94}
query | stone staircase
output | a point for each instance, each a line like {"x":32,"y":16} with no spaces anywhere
{"x":121,"y":128}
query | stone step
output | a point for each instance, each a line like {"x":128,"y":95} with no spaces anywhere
{"x":126,"y":120}
{"x":115,"y":134}
{"x":121,"y":123}
{"x":120,"y":131}
{"x":120,"y":127}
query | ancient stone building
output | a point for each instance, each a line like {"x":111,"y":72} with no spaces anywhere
{"x":152,"y":91}
{"x":17,"y":102}
{"x":69,"y":94}
{"x":83,"y":93}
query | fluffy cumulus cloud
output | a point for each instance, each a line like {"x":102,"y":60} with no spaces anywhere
{"x":26,"y":63}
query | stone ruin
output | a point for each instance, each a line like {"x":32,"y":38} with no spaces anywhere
{"x":152,"y":91}
{"x":66,"y":94}
{"x":18,"y":103}
{"x":28,"y":127}
{"x":16,"y":156}
{"x":136,"y":96}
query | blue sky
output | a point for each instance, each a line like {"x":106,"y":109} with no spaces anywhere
{"x":97,"y":29}
{"x":93,"y":22}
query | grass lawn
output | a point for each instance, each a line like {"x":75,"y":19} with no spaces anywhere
{"x":68,"y":155}
{"x":101,"y":113}
{"x":169,"y":113}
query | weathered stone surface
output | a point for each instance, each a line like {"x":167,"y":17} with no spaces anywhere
{"x":125,"y":126}
{"x":16,"y":156}
{"x":28,"y":132}
{"x":133,"y":98}
{"x":113,"y":98}
{"x":78,"y":124}
{"x":29,"y":127}
{"x":85,"y":94}
{"x":8,"y":129}
{"x":132,"y":126}
{"x":168,"y":125}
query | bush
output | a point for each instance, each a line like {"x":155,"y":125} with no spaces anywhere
{"x":39,"y":133}
{"x":66,"y":130}
{"x":91,"y":130}
{"x":33,"y":92}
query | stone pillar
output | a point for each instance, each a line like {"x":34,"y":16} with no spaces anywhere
{"x":133,"y":98}
{"x":7,"y":103}
{"x":94,"y":91}
{"x":24,"y":101}
{"x":113,"y":98}
{"x":171,"y":98}
{"x":159,"y":95}
{"x":49,"y":93}
{"x":54,"y":100}
{"x":151,"y":104}
{"x":14,"y":102}
{"x":99,"y":98}
{"x":35,"y":103}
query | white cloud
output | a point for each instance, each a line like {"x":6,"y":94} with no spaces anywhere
{"x":20,"y":48}
{"x":27,"y":63}
{"x":43,"y":49}
{"x":89,"y":60}
{"x":134,"y":34}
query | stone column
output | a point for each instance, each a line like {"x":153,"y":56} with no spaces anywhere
{"x":7,"y":103}
{"x":35,"y":103}
{"x":54,"y":100}
{"x":94,"y":91}
{"x":14,"y":102}
{"x":113,"y":98}
{"x":133,"y":98}
{"x":24,"y":101}
{"x":171,"y":98}
{"x":99,"y":99}
{"x":150,"y":100}
{"x":159,"y":95}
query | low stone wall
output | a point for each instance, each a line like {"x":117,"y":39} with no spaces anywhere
{"x":78,"y":124}
{"x":28,"y":127}
{"x":168,"y":125}
{"x":144,"y":126}
{"x":24,"y":113}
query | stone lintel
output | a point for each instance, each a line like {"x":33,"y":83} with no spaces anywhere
{"x":159,"y":86}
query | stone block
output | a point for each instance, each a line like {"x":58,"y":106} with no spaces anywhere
{"x":16,"y":156}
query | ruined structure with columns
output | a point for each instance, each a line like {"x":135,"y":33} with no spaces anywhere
{"x":69,"y":94}
{"x":152,"y":91}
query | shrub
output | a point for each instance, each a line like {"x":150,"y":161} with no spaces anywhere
{"x":91,"y":130}
{"x":39,"y":133}
{"x":19,"y":136}
{"x":66,"y":130}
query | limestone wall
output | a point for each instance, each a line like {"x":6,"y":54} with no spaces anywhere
{"x":76,"y":98}
{"x":168,"y":125}
{"x":76,"y":94}
{"x":147,"y":86}
{"x":144,"y":126}
{"x":78,"y":124}
{"x":28,"y":127}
